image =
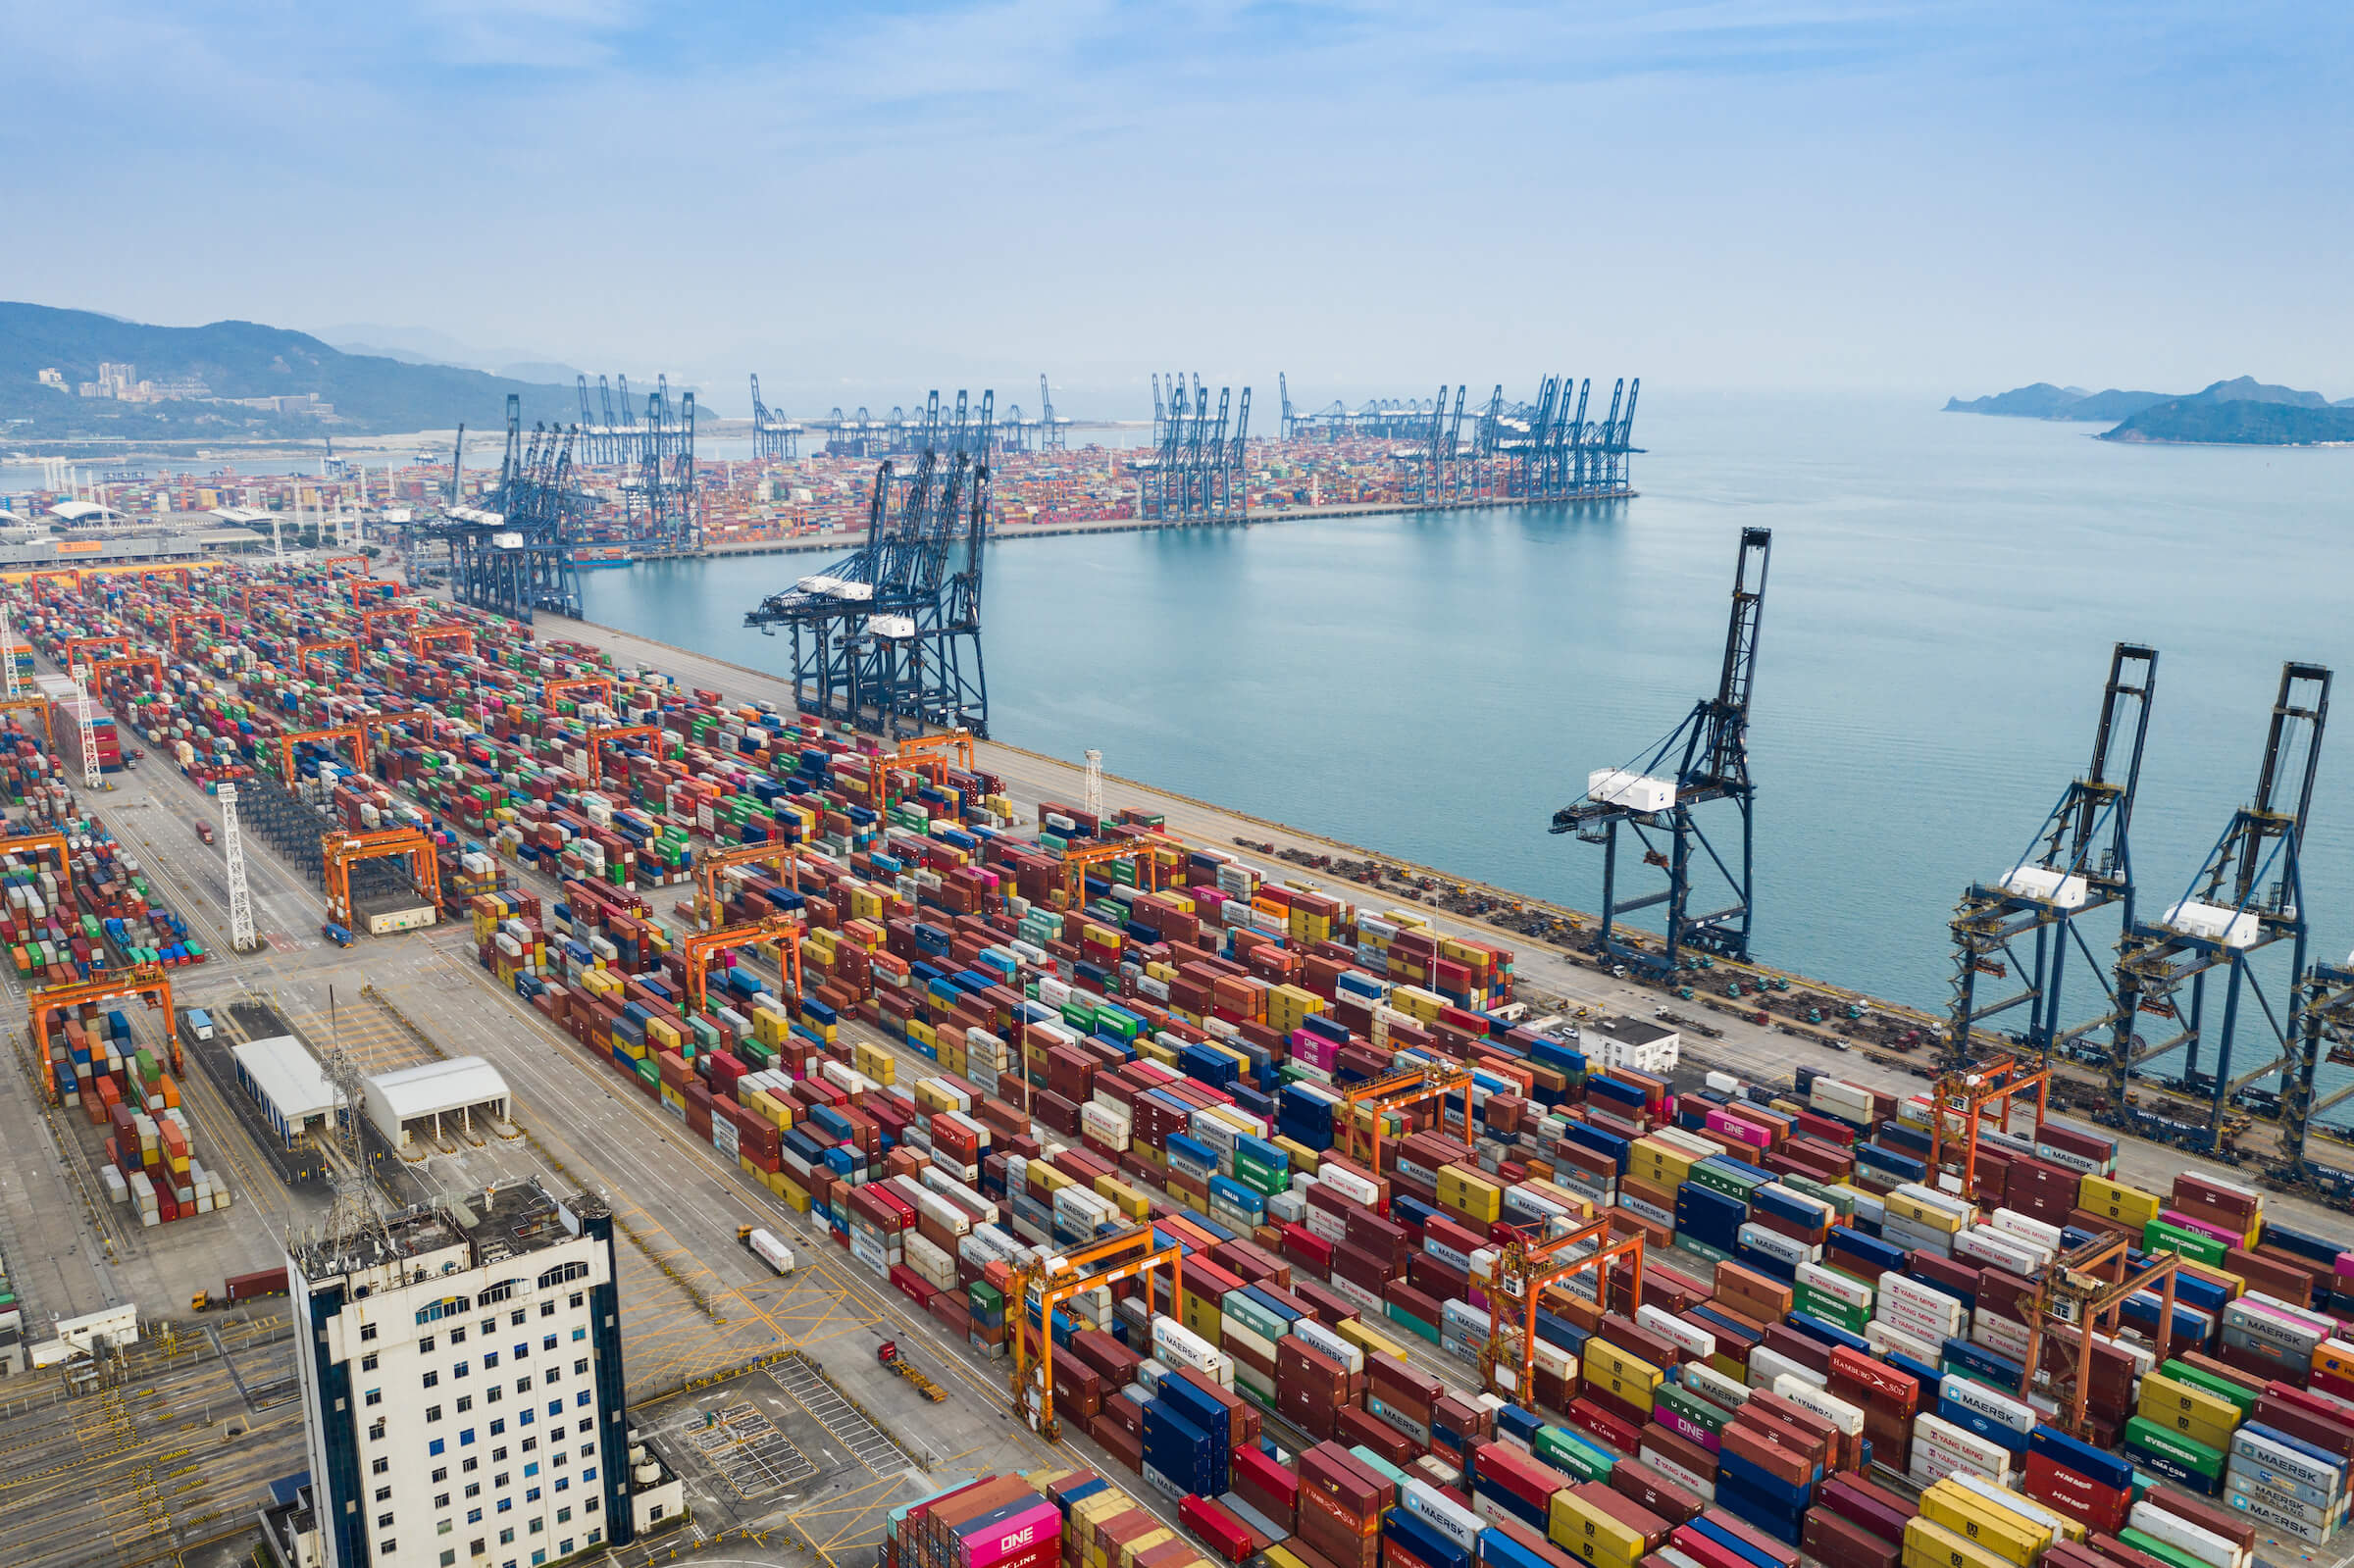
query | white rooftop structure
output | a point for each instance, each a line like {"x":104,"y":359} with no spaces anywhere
{"x":83,"y":512}
{"x":282,"y":1071}
{"x":237,"y":515}
{"x":422,"y":1099}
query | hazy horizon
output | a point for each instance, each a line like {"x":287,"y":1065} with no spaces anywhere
{"x":1929,"y":199}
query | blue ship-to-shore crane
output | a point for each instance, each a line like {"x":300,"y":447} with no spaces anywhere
{"x":2077,"y":862}
{"x":1711,"y":755}
{"x":2248,"y":896}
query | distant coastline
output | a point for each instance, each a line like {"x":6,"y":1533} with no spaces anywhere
{"x":2242,"y":412}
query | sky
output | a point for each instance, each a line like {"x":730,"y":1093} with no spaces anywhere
{"x":1933,"y":197}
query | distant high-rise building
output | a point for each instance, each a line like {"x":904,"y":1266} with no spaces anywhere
{"x":462,"y":1380}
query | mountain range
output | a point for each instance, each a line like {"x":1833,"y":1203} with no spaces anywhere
{"x":201,"y":378}
{"x":2241,"y":412}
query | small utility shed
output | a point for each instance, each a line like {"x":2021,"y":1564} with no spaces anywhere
{"x":282,"y":1076}
{"x":423,"y":1100}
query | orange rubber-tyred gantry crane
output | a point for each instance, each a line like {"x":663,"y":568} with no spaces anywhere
{"x":250,"y":589}
{"x":135,"y":661}
{"x":1522,"y":1275}
{"x":373,"y":622}
{"x":697,"y":950}
{"x":350,"y":733}
{"x":309,"y":648}
{"x":424,"y":638}
{"x":599,"y":735}
{"x":1964,"y":1096}
{"x":1395,"y":1092}
{"x":28,"y":704}
{"x":1132,"y":1255}
{"x":710,"y":867}
{"x":140,"y":981}
{"x":554,"y":691}
{"x":186,"y":621}
{"x":367,"y":584}
{"x":75,"y":647}
{"x":340,"y":851}
{"x":33,"y":583}
{"x":357,"y":562}
{"x":1141,"y":850}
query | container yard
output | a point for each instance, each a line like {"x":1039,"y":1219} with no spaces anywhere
{"x":1310,"y":1223}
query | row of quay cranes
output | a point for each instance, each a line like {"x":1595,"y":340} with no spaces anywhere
{"x":1194,"y":472}
{"x":513,"y":556}
{"x":888,"y":639}
{"x":2278,"y":1021}
{"x":1546,"y":449}
{"x":969,"y":429}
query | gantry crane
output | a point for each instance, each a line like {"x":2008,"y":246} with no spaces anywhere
{"x":135,"y":661}
{"x":1076,"y":863}
{"x":2247,"y":896}
{"x":373,"y":622}
{"x":77,"y":649}
{"x":364,"y":585}
{"x":2325,"y":1033}
{"x":34,"y":704}
{"x":1394,"y":1091}
{"x":1713,"y":746}
{"x":600,"y":734}
{"x":2081,"y":1295}
{"x":556,"y":691}
{"x":146,"y":981}
{"x":350,"y":733}
{"x":340,"y":851}
{"x":1113,"y":1260}
{"x":2079,"y":862}
{"x":424,"y":639}
{"x":308,"y":648}
{"x":357,"y":562}
{"x":186,"y":621}
{"x":1962,"y":1097}
{"x":34,"y":582}
{"x":263,"y":588}
{"x":1523,"y":1271}
{"x":32,"y":843}
{"x":695,"y":950}
{"x":711,"y":866}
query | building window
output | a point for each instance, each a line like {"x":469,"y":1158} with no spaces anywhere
{"x":383,"y":1494}
{"x":591,"y":1506}
{"x":433,"y":1451}
{"x":367,"y":1331}
{"x":383,"y":1521}
{"x":450,"y":1558}
{"x":435,"y":1311}
{"x":537,"y":1526}
{"x":490,"y":1358}
{"x":580,"y":1398}
{"x":474,"y":1516}
{"x":494,"y":1394}
{"x":530,"y":1494}
{"x":654,"y":1513}
{"x":441,"y":1501}
{"x":471,"y":1466}
{"x":531,"y":1469}
{"x":563,"y":1482}
{"x":564,"y":1547}
{"x":373,"y":1396}
{"x":378,"y":1466}
{"x":530,"y":1444}
{"x":457,"y":1333}
{"x":498,"y":1456}
{"x":498,"y":1426}
{"x":548,"y":1342}
{"x":524,"y":1420}
{"x":489,"y":1326}
{"x":555,"y":1407}
{"x":433,"y":1412}
{"x":465,"y":1403}
{"x":506,"y":1536}
{"x":385,"y":1547}
{"x":579,"y":1298}
{"x":376,"y":1432}
{"x":522,"y":1351}
{"x":368,"y":1362}
{"x":461,"y":1370}
{"x":433,"y":1379}
{"x":474,"y":1488}
{"x":464,"y":1437}
{"x":585,"y":1423}
{"x":580,"y":1333}
{"x":581,"y":1366}
{"x":587,"y":1475}
{"x":497,"y":1293}
{"x":547,"y":1309}
{"x":515,"y":1318}
{"x":564,"y":1517}
{"x":440,"y":1474}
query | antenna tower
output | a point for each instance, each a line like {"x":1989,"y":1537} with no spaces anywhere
{"x":240,"y":897}
{"x":8,"y":651}
{"x":89,"y":737}
{"x":1095,"y":783}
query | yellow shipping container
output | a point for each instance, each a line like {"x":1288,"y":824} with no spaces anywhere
{"x":2014,"y":1538}
{"x":1153,"y":1050}
{"x":1366,"y":1339}
{"x":1471,"y":1194}
{"x":1930,"y":1545}
{"x":1911,"y":1208}
{"x":2182,"y":1407}
{"x":1303,"y":1158}
{"x":1579,"y":1528}
{"x":876,"y":1062}
{"x":1131,"y":1203}
{"x":2117,"y":1201}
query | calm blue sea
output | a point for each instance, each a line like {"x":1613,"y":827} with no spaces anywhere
{"x":1944,"y":595}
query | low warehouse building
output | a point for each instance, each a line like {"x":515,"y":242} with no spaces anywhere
{"x":424,"y":1101}
{"x":282,"y":1076}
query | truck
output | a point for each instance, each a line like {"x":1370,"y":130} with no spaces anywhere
{"x":766,"y":1247}
{"x":241,"y":1288}
{"x":204,"y":829}
{"x":198,"y":1023}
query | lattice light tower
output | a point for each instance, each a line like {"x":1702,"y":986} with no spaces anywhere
{"x":240,"y":897}
{"x":8,"y":651}
{"x":90,"y":776}
{"x":1095,"y":783}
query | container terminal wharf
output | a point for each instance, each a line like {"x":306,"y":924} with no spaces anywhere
{"x":1296,"y":1274}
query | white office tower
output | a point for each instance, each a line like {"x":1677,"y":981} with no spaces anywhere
{"x":463,"y":1383}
